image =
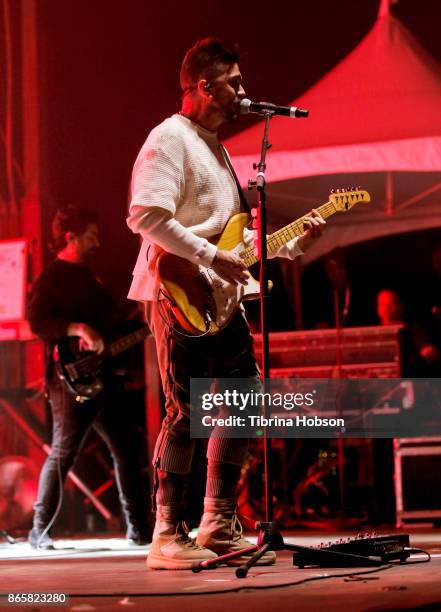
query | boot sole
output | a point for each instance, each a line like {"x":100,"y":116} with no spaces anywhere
{"x":158,"y":562}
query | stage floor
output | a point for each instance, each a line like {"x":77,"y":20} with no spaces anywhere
{"x":103,"y":574}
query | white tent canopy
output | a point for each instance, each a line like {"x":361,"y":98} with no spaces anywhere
{"x":374,"y":118}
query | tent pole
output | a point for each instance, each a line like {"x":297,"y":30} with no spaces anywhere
{"x":389,"y":194}
{"x":418,"y":196}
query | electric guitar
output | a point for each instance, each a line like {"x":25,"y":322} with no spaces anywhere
{"x":81,"y":371}
{"x":201,"y":301}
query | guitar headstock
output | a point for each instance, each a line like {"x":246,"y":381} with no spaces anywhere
{"x":345,"y":199}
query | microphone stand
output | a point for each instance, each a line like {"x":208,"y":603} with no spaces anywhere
{"x":269,"y":536}
{"x":340,"y":441}
{"x":260,"y":184}
{"x":336,"y":272}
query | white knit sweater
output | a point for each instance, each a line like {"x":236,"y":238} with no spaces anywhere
{"x":183,"y":194}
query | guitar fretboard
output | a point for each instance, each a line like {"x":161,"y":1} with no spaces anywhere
{"x":122,"y":344}
{"x":285,"y":234}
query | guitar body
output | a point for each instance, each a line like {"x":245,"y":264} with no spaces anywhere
{"x":82,"y":371}
{"x":83,"y":383}
{"x":202,"y":301}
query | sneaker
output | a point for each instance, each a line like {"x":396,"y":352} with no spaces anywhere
{"x":223,"y":534}
{"x":176,"y":551}
{"x":38,"y":542}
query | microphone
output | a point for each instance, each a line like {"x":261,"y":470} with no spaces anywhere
{"x":246,"y":106}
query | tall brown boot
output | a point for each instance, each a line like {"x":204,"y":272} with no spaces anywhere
{"x":172,"y":548}
{"x":220,"y":531}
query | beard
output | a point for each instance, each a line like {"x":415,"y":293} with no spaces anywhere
{"x":232,"y":113}
{"x":233,"y":117}
{"x":90,"y":255}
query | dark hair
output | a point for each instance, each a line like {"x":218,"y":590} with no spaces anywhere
{"x":207,"y":59}
{"x":69,"y":218}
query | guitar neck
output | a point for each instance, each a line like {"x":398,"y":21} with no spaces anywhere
{"x":277,"y":240}
{"x":123,"y":344}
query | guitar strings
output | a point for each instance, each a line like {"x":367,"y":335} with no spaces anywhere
{"x":283,"y":235}
{"x":83,"y":362}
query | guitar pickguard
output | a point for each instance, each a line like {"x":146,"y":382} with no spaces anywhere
{"x":200,"y":299}
{"x":226,"y":296}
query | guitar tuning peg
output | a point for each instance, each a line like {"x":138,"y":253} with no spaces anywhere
{"x":332,"y":190}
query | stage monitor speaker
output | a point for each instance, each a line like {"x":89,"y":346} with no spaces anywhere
{"x":418,"y":480}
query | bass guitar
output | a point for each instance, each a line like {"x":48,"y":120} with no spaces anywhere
{"x":201,"y":301}
{"x":81,"y":371}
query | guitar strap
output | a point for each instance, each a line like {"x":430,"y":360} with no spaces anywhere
{"x":243,"y":201}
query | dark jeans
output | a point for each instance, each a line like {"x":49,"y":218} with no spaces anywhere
{"x":228,"y":354}
{"x":72,"y":421}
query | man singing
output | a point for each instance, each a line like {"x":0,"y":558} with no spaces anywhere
{"x":183,"y":193}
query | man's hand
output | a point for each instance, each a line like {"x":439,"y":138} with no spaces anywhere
{"x":90,"y":339}
{"x":230,"y":267}
{"x":313,"y":225}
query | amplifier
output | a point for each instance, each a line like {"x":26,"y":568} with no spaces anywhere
{"x":366,"y":352}
{"x":418,"y":480}
{"x":359,"y":370}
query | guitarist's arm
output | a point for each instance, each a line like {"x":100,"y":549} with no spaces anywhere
{"x":42,"y":312}
{"x":161,"y":228}
{"x":45,"y":320}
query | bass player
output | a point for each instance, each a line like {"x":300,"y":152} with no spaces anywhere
{"x":67,"y":300}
